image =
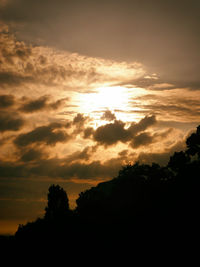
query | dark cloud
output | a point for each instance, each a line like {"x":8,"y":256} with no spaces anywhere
{"x":85,"y":154}
{"x":12,"y":78}
{"x":88,"y":132}
{"x":123,"y":153}
{"x":79,"y":123}
{"x":94,"y":170}
{"x":146,"y":138}
{"x":58,"y":103}
{"x":49,"y":135}
{"x":79,"y":119}
{"x":34,"y":105}
{"x":6,"y":101}
{"x":108,"y":115}
{"x":41,"y":104}
{"x":10,"y":122}
{"x":58,"y":168}
{"x":142,"y":140}
{"x":72,"y":169}
{"x":12,"y":170}
{"x":143,"y":124}
{"x":112,"y":133}
{"x":31,"y":155}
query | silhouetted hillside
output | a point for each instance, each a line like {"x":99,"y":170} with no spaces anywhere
{"x":142,"y":201}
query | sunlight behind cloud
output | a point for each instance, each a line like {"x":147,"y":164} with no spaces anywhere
{"x":108,"y":98}
{"x":117,"y":99}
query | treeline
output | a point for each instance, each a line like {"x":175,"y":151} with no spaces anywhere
{"x":143,"y":200}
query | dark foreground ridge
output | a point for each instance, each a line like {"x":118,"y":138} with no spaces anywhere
{"x":144,"y":203}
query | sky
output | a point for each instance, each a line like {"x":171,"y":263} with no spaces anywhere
{"x":87,"y":87}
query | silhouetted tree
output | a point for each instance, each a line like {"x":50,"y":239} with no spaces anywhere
{"x":178,"y":161}
{"x":58,"y":203}
{"x":193,"y":143}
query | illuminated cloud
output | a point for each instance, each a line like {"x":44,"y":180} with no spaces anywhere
{"x":25,"y":66}
{"x":180,"y":105}
{"x":132,"y":31}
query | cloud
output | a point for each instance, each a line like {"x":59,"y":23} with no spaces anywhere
{"x":6,"y":101}
{"x":22,"y":64}
{"x":49,"y":135}
{"x":12,"y":78}
{"x":10,"y":122}
{"x":88,"y":132}
{"x":58,"y":103}
{"x":146,"y":138}
{"x":79,"y":119}
{"x":143,"y":124}
{"x":11,"y":50}
{"x":181,"y":105}
{"x":34,"y":105}
{"x":59,"y":168}
{"x":85,"y":155}
{"x":174,"y":55}
{"x":41,"y":104}
{"x":76,"y":166}
{"x":31,"y":154}
{"x":112,"y":133}
{"x":79,"y":122}
{"x":108,"y":115}
{"x":9,"y":169}
{"x":162,"y":157}
{"x":142,"y":140}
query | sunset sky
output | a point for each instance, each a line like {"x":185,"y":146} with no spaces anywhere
{"x":87,"y":86}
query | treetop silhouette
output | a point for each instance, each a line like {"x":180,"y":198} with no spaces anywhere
{"x":58,"y":203}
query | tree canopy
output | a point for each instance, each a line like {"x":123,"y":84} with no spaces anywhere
{"x":58,"y":203}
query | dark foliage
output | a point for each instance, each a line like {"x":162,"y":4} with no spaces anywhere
{"x":58,"y":203}
{"x":144,"y":202}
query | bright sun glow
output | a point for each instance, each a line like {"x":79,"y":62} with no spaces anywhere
{"x":117,"y":99}
{"x":111,"y":98}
